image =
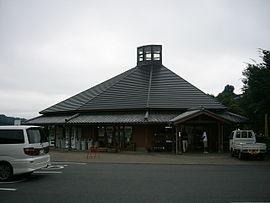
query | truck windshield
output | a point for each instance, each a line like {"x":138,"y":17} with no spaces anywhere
{"x":249,"y":135}
{"x":36,"y":135}
{"x":244,"y":134}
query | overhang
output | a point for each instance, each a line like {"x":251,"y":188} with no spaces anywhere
{"x":136,"y":117}
{"x":225,"y":117}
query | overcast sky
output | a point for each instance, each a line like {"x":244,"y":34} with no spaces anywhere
{"x":52,"y":49}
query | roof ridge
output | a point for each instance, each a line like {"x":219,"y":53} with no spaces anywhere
{"x":85,"y":92}
{"x":149,"y":87}
{"x":131,"y":71}
{"x":213,"y":99}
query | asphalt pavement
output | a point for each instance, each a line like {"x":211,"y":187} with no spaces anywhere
{"x":128,"y":182}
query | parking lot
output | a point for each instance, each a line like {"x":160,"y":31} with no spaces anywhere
{"x":129,"y":182}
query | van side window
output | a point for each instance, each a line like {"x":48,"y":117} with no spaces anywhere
{"x":238,"y":135}
{"x":11,"y":136}
{"x":249,"y":135}
{"x":36,"y":135}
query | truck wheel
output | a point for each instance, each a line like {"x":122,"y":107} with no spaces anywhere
{"x":5,"y":171}
{"x":232,"y":153}
{"x":240,"y":156}
{"x":261,"y":157}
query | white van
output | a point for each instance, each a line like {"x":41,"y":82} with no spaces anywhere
{"x":23,"y":149}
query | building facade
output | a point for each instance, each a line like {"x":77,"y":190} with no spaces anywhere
{"x":143,"y":108}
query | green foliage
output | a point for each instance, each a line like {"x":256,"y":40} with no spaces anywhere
{"x":4,"y":120}
{"x":229,"y":99}
{"x":254,"y":103}
{"x":266,"y":140}
{"x":256,"y":91}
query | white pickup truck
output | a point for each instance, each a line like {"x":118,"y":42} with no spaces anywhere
{"x":243,"y":143}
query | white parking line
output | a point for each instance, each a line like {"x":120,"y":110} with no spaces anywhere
{"x":47,"y":172}
{"x":8,"y":189}
{"x":70,"y":163}
{"x":17,"y":181}
{"x":54,"y":167}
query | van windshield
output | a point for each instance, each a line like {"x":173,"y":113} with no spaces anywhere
{"x":36,"y":135}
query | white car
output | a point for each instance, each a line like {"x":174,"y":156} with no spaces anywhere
{"x":23,"y":149}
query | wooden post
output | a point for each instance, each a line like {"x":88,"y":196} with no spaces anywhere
{"x":176,"y":141}
{"x":222,"y":134}
{"x":219,"y":138}
{"x":180,"y":143}
{"x":55,"y":136}
{"x":105,"y":136}
{"x":113,"y":137}
{"x":124,"y":138}
{"x":94,"y":134}
{"x":69,"y":138}
{"x":146,"y":138}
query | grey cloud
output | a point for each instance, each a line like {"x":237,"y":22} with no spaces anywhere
{"x":51,"y":48}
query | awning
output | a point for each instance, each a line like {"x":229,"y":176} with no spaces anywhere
{"x":138,"y":117}
{"x":49,"y":119}
{"x":226,"y":117}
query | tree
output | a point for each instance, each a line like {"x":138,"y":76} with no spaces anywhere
{"x":229,"y":99}
{"x":256,"y":90}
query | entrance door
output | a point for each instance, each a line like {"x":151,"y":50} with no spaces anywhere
{"x":194,"y":138}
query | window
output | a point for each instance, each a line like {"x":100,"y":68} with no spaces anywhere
{"x":101,"y":131}
{"x":156,"y":52}
{"x":128,"y":134}
{"x":140,"y":54}
{"x":244,"y":134}
{"x":237,"y":134}
{"x":249,"y":135}
{"x":36,"y":135}
{"x":11,"y":136}
{"x":148,"y":55}
{"x":109,"y":131}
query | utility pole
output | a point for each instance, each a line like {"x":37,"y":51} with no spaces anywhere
{"x":266,"y":125}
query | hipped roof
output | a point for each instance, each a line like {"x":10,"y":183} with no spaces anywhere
{"x":142,"y":87}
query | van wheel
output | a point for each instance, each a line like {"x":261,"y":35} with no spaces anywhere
{"x":5,"y":171}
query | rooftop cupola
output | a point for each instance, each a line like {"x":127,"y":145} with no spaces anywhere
{"x":149,"y":55}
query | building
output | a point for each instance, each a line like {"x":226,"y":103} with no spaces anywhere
{"x":143,"y":108}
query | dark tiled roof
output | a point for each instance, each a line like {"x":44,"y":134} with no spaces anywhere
{"x":139,"y":117}
{"x":234,"y":118}
{"x":225,"y":115}
{"x":79,"y":100}
{"x":141,"y":87}
{"x":49,"y":119}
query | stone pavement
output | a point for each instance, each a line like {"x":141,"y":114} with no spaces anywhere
{"x":61,"y":155}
